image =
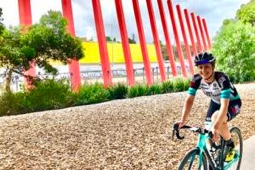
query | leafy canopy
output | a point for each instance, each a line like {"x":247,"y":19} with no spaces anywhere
{"x":51,"y":41}
{"x":234,"y":47}
{"x":13,"y":53}
{"x":40,"y":43}
{"x":246,"y":13}
{"x":1,"y":19}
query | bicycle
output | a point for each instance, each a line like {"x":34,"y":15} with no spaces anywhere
{"x":208,"y":154}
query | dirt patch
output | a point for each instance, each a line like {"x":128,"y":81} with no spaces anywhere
{"x":122,"y":134}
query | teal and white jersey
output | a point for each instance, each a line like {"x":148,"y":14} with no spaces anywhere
{"x":221,"y":87}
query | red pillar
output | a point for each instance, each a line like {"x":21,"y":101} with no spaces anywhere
{"x":178,"y":7}
{"x":200,"y":49}
{"x":74,"y":67}
{"x":201,"y":32}
{"x":190,"y":32}
{"x":167,"y":38}
{"x":156,"y":40}
{"x":106,"y":69}
{"x":207,"y":34}
{"x":25,"y":15}
{"x":177,"y":40}
{"x":25,"y":18}
{"x":141,"y":34}
{"x":125,"y":43}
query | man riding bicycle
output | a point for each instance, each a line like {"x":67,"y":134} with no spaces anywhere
{"x":225,"y":102}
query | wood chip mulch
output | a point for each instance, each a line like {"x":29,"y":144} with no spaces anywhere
{"x":122,"y":134}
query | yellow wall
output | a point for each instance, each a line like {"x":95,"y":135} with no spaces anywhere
{"x":115,"y":53}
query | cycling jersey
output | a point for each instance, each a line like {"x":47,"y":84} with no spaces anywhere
{"x":221,"y":87}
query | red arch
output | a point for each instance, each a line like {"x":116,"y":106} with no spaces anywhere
{"x":177,"y":40}
{"x":125,"y":43}
{"x":74,"y":67}
{"x":25,"y":17}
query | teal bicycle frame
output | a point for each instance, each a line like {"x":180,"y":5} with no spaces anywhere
{"x":202,"y":146}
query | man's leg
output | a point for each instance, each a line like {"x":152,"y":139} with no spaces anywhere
{"x":223,"y":130}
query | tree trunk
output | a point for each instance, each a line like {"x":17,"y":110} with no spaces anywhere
{"x":8,"y":80}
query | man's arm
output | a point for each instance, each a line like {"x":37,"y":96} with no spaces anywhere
{"x":186,"y":109}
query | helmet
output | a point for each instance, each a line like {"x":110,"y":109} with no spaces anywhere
{"x":204,"y":58}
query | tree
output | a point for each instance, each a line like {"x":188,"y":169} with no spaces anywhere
{"x":164,"y":52}
{"x":246,"y":13}
{"x":108,"y":39}
{"x":1,"y":24}
{"x":131,"y":41}
{"x":40,"y":43}
{"x":234,"y":47}
{"x":1,"y":12}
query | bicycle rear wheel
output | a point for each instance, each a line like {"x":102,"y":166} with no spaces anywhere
{"x":191,"y":161}
{"x":238,"y":141}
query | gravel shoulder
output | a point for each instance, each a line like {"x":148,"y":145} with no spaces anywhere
{"x":121,"y":134}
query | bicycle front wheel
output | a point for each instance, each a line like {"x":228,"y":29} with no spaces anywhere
{"x":238,"y":141}
{"x":192,"y":161}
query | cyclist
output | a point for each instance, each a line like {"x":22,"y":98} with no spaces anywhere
{"x":225,"y":102}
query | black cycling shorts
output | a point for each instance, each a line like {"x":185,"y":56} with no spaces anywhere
{"x":233,"y":109}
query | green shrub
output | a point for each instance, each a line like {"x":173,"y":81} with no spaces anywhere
{"x":132,"y":92}
{"x":142,"y":90}
{"x":89,"y":94}
{"x":138,"y":90}
{"x":167,"y":86}
{"x":179,"y":85}
{"x":12,"y":104}
{"x":56,"y":94}
{"x":154,"y":89}
{"x":49,"y":94}
{"x":186,"y":83}
{"x":118,"y":91}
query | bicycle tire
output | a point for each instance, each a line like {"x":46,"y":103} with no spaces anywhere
{"x":237,"y":138}
{"x":193,"y":155}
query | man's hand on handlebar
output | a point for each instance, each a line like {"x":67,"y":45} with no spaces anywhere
{"x":176,"y":128}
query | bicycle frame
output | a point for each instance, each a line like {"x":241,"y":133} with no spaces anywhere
{"x":202,"y":147}
{"x":223,"y":165}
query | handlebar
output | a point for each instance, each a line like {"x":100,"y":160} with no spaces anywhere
{"x":176,"y":131}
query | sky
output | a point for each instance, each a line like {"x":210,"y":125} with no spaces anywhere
{"x":213,"y":11}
